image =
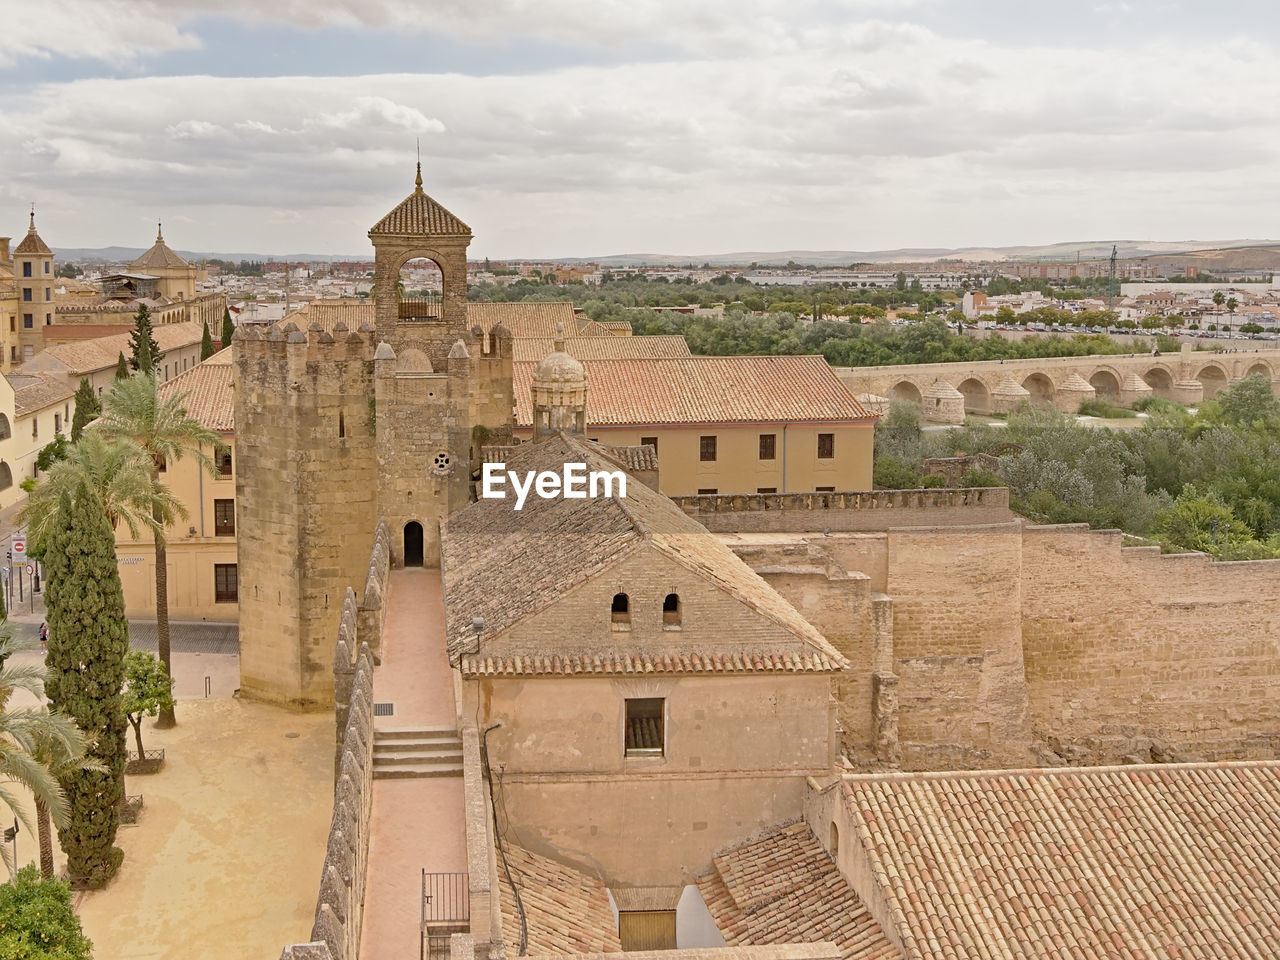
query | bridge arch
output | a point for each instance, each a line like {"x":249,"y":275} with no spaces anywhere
{"x":1160,"y":381}
{"x":1260,"y":367}
{"x":1040,"y":387}
{"x":1107,"y":385}
{"x":977,"y":398}
{"x":905,"y":390}
{"x":1214,"y":378}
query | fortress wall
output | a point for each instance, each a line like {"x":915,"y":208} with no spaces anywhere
{"x":861,"y":510}
{"x":957,"y":645}
{"x":1124,"y":646}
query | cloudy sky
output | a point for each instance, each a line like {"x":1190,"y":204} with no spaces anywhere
{"x":590,"y":127}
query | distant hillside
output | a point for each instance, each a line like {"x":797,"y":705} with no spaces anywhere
{"x":1230,"y":253}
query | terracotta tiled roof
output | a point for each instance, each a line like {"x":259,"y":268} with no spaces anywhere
{"x":533,"y":349}
{"x":619,"y":664}
{"x":566,"y":911}
{"x":785,"y":888}
{"x":616,"y":327}
{"x":35,"y":391}
{"x":533,"y":319}
{"x":418,"y":215}
{"x":637,"y":457}
{"x":86,"y":356}
{"x":1178,"y":860}
{"x":329,"y":313}
{"x":32,"y":245}
{"x":208,"y":392}
{"x":781,"y":951}
{"x":159,"y":257}
{"x":564,"y":542}
{"x":786,"y":389}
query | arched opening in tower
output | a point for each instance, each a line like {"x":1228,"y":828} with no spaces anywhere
{"x":413,"y":544}
{"x":419,"y":289}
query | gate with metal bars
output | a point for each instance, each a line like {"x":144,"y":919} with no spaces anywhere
{"x":446,"y":910}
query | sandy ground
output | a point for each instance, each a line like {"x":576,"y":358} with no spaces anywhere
{"x":225,"y":860}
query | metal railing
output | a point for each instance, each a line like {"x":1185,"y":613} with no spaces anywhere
{"x":420,"y":308}
{"x":446,"y":910}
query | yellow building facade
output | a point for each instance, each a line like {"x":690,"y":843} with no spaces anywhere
{"x":203,"y":571}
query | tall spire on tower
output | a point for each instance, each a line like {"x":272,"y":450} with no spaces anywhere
{"x":417,"y":181}
{"x":32,"y":227}
{"x":159,"y":233}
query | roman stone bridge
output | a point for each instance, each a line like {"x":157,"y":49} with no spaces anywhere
{"x":947,"y":391}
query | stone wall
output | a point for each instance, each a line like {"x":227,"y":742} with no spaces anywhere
{"x":851,"y":511}
{"x":1133,"y":654}
{"x":335,"y":934}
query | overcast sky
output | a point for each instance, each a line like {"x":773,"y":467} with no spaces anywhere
{"x":592,"y":127}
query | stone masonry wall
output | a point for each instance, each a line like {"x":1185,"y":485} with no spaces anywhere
{"x":1132,"y":653}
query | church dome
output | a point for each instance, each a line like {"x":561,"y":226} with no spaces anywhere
{"x":558,"y":366}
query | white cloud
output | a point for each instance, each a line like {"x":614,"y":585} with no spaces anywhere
{"x":875,"y":134}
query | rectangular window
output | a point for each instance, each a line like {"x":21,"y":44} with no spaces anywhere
{"x":35,"y":428}
{"x":57,"y":423}
{"x":26,"y":268}
{"x":707,"y":491}
{"x":707,"y":448}
{"x":46,"y":266}
{"x":649,"y":442}
{"x":48,"y":319}
{"x":826,"y":446}
{"x":48,"y":293}
{"x":222,"y":457}
{"x":26,"y":294}
{"x":825,"y":489}
{"x":226,"y":583}
{"x":766,"y":489}
{"x":28,"y":321}
{"x":768,"y":446}
{"x":224,"y":518}
{"x":644,"y":727}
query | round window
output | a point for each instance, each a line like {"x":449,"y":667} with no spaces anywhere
{"x":440,"y":464}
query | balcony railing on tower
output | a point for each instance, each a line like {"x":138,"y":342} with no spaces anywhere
{"x":424,"y":307}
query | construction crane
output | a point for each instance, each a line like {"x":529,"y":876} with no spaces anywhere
{"x":1111,"y":284}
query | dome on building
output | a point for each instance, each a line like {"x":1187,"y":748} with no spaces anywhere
{"x":160,"y":257}
{"x":558,"y":366}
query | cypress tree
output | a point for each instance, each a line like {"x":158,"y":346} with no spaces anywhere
{"x":122,"y":368}
{"x":88,"y":641}
{"x":142,"y":342}
{"x":206,"y":344}
{"x":88,"y":406}
{"x":228,"y":328}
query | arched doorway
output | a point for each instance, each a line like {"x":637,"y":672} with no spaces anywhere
{"x":413,"y":544}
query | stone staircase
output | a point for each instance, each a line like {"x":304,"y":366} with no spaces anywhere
{"x":429,"y":752}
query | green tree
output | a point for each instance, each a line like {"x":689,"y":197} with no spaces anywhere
{"x":142,"y":342}
{"x":122,"y":368}
{"x":52,"y":452}
{"x":37,"y":921}
{"x":88,"y":406}
{"x":61,"y":753}
{"x":161,"y":428}
{"x":206,"y":343}
{"x":148,"y":689}
{"x":228,"y":328}
{"x":88,"y":640}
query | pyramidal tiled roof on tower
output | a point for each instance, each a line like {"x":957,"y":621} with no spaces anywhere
{"x":419,"y":215}
{"x":159,"y":256}
{"x":31,"y":243}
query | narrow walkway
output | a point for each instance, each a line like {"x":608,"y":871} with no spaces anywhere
{"x":418,"y":822}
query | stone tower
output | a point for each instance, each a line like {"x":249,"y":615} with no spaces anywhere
{"x":559,"y":393}
{"x":34,"y":278}
{"x":336,"y":428}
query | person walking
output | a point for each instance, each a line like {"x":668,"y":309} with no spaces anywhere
{"x":44,"y":637}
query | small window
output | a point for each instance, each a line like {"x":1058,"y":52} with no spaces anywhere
{"x":48,"y":293}
{"x":768,"y":446}
{"x":226,"y":583}
{"x":26,"y":268}
{"x":166,"y":371}
{"x":35,"y":428}
{"x":826,"y":446}
{"x":835,"y":839}
{"x":28,"y":321}
{"x":26,"y":294}
{"x":224,"y":518}
{"x":649,"y":442}
{"x":342,"y":424}
{"x":222,"y":458}
{"x":645,"y":727}
{"x":28,"y":352}
{"x":13,"y":325}
{"x":825,"y":489}
{"x":766,"y":489}
{"x":57,"y":423}
{"x":46,"y":266}
{"x":620,"y":611}
{"x":707,"y":448}
{"x":671,"y":611}
{"x":708,"y":491}
{"x":48,"y":319}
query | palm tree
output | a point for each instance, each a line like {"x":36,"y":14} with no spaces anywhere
{"x":117,"y":471}
{"x":1232,"y":303}
{"x":161,"y":428}
{"x":36,"y":747}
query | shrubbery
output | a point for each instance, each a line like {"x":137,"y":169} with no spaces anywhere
{"x":37,"y":922}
